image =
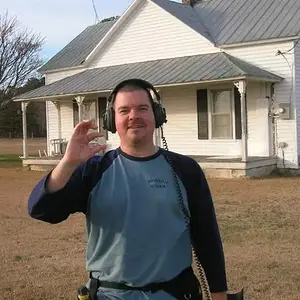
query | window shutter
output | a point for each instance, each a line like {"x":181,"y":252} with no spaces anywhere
{"x":237,"y":111}
{"x":75,"y":113}
{"x":202,"y":113}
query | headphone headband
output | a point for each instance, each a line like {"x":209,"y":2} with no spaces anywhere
{"x":134,"y":81}
{"x":158,"y":110}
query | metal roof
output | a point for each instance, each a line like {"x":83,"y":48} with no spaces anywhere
{"x":74,"y":53}
{"x":186,"y":14}
{"x":238,"y":21}
{"x":180,"y":70}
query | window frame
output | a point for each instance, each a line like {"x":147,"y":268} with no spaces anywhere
{"x":210,"y":114}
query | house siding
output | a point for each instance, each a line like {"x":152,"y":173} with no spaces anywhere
{"x":66,"y":109}
{"x":52,"y":123}
{"x":181,"y":130}
{"x":181,"y":106}
{"x":55,"y":76}
{"x":264,"y":56}
{"x":164,"y":36}
{"x":66,"y":116}
{"x":297,"y":91}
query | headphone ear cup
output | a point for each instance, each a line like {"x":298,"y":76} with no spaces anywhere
{"x":112,"y":123}
{"x":159,"y":114}
{"x":109,"y":120}
{"x":104,"y":121}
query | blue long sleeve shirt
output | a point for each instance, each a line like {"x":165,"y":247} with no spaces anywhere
{"x":136,"y":233}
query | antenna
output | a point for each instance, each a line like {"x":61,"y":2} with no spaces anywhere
{"x":95,"y":11}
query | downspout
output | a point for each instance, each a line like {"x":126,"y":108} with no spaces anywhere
{"x":274,"y":123}
{"x":274,"y":115}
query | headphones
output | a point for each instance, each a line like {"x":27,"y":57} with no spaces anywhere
{"x":158,"y":110}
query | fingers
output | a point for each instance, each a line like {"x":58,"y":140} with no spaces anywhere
{"x":97,"y":148}
{"x":84,"y":126}
{"x":94,"y":135}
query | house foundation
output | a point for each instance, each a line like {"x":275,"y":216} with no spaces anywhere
{"x":213,"y":167}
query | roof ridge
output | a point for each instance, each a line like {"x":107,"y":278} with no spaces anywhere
{"x":103,"y":23}
{"x":178,"y":3}
{"x":228,"y":58}
{"x":196,"y":18}
{"x":202,"y":23}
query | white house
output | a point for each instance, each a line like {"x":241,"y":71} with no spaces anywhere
{"x":228,"y":73}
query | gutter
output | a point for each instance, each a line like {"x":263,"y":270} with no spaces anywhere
{"x":253,"y":43}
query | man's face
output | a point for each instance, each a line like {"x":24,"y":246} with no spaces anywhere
{"x":134,"y":116}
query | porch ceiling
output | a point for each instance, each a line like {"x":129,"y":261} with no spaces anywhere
{"x":163,"y":72}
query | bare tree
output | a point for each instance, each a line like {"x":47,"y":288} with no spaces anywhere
{"x":19,"y":57}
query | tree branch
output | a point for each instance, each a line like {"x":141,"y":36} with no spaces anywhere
{"x":19,"y":56}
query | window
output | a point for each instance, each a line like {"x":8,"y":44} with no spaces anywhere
{"x":221,"y":115}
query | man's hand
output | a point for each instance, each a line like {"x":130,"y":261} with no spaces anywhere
{"x":78,"y":149}
{"x":219,"y":296}
{"x":77,"y":152}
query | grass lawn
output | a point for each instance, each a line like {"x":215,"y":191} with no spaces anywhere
{"x":10,"y":160}
{"x":12,"y":149}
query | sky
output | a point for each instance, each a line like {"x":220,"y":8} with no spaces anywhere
{"x":59,"y":21}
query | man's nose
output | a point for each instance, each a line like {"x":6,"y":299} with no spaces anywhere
{"x":133,"y":114}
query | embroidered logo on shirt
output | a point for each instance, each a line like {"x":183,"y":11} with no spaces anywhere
{"x":158,"y":183}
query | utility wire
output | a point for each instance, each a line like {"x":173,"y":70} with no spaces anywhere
{"x":95,"y":11}
{"x":286,"y":52}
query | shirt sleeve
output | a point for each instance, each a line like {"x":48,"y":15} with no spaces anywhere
{"x":205,"y":231}
{"x":57,"y":206}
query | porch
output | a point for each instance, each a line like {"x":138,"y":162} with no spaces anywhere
{"x":234,"y":167}
{"x":213,"y":166}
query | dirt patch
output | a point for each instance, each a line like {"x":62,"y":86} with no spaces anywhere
{"x":258,"y":221}
{"x":39,"y":260}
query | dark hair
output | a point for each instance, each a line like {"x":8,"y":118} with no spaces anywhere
{"x":134,"y":87}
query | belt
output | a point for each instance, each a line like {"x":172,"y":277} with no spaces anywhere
{"x":183,"y":286}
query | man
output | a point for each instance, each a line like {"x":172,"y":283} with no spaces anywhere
{"x":137,"y":233}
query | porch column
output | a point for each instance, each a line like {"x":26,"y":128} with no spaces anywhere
{"x":241,"y":86}
{"x":79,"y":100}
{"x":24,"y":121}
{"x":57,"y":105}
{"x":157,"y":137}
{"x":87,"y":107}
